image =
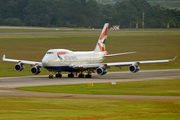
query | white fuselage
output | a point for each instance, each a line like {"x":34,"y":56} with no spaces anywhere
{"x":62,"y":59}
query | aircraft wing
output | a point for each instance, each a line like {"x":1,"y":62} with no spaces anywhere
{"x":22,"y":61}
{"x":118,"y":64}
{"x":110,"y":55}
{"x":139,"y":62}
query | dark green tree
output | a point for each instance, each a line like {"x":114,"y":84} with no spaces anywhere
{"x":82,"y":13}
{"x":92,"y":13}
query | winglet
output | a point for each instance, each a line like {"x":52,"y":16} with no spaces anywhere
{"x":174,"y":58}
{"x":4,"y":57}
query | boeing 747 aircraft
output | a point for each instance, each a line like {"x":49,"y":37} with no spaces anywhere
{"x":63,"y":60}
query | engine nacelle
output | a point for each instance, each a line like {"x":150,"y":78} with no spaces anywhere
{"x":101,"y":71}
{"x":19,"y":67}
{"x":35,"y":70}
{"x":134,"y":68}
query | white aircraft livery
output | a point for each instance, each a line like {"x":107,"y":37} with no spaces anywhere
{"x":63,"y":60}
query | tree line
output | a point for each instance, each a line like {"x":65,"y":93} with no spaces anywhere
{"x":82,"y":13}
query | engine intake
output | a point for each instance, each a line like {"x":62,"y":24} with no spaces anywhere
{"x":101,"y":71}
{"x":19,"y":67}
{"x":134,"y":68}
{"x":35,"y":70}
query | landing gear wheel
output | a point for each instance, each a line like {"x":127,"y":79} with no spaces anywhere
{"x":88,"y":76}
{"x":50,"y":76}
{"x":70,"y":75}
{"x":81,"y":75}
{"x":58,"y":75}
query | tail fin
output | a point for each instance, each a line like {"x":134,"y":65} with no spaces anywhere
{"x":101,"y":44}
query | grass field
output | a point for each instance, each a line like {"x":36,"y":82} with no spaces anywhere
{"x":150,"y":88}
{"x":97,"y":109}
{"x":149,"y":46}
{"x":86,"y":109}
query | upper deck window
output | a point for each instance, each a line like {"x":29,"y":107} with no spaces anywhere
{"x":49,"y":53}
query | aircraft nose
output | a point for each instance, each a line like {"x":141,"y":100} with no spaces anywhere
{"x":45,"y":62}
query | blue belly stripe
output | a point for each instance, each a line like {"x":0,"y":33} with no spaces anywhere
{"x":60,"y":68}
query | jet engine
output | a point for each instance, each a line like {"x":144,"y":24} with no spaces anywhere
{"x":101,"y":71}
{"x":134,"y":68}
{"x":19,"y":67}
{"x":35,"y":70}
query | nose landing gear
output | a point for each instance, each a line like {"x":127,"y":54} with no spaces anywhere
{"x":51,"y":75}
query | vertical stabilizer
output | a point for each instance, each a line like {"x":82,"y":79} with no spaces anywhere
{"x":101,"y":44}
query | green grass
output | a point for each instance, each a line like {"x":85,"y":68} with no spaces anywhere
{"x":83,"y":109}
{"x":149,"y":46}
{"x":150,"y":88}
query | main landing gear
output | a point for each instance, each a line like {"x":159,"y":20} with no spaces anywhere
{"x":58,"y":75}
{"x":81,"y":75}
{"x":86,"y":76}
{"x":89,"y":74}
{"x":71,"y":75}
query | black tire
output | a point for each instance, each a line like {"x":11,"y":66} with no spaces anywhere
{"x":88,"y":76}
{"x":58,"y":75}
{"x":50,"y":76}
{"x":81,"y":76}
{"x":70,"y":75}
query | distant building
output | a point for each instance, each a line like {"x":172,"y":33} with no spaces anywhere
{"x":115,"y":27}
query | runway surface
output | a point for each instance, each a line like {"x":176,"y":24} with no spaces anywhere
{"x":8,"y":84}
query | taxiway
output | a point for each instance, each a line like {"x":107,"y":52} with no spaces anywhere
{"x":8,"y":84}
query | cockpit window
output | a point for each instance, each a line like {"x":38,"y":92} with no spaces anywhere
{"x":49,"y":53}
